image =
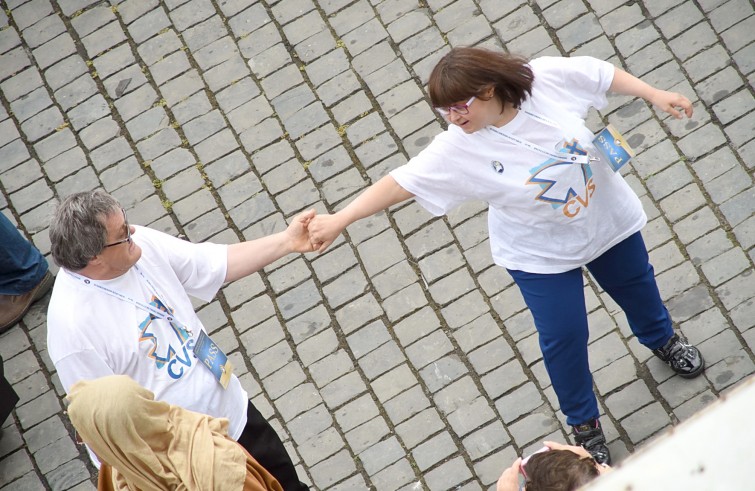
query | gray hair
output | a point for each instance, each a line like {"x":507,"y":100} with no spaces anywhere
{"x":78,"y":231}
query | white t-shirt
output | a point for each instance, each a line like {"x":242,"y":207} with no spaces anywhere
{"x":544,"y":216}
{"x":91,"y":334}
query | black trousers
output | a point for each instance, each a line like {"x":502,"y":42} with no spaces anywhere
{"x":264,"y":444}
{"x":8,"y":396}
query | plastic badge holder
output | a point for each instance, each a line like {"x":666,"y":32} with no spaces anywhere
{"x":613,"y":147}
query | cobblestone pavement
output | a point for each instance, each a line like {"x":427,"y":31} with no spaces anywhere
{"x":402,"y":358}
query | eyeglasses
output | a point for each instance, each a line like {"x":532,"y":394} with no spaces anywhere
{"x":128,"y":233}
{"x":459,"y":109}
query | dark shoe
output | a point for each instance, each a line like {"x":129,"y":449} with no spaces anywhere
{"x":13,"y":307}
{"x":683,"y":358}
{"x":590,"y":437}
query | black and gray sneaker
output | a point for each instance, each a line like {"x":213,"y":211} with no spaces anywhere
{"x":590,"y":436}
{"x":682,"y":357}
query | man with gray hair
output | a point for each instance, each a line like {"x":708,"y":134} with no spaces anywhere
{"x":121,"y":305}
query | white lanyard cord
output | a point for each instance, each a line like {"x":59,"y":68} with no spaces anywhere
{"x":141,"y":305}
{"x":560,"y":156}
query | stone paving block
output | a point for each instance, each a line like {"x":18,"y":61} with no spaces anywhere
{"x":86,"y":113}
{"x":13,"y":154}
{"x":629,"y":399}
{"x":191,"y":13}
{"x":172,"y":162}
{"x":12,"y":62}
{"x":27,"y":14}
{"x":76,"y":92}
{"x":694,"y":405}
{"x":261,"y":135}
{"x":451,"y":473}
{"x":739,"y":35}
{"x":30,"y":104}
{"x":45,"y":122}
{"x":148,"y":123}
{"x":24,"y":82}
{"x":9,"y":39}
{"x":678,"y":20}
{"x":706,"y":63}
{"x":725,"y":266}
{"x":266,"y":333}
{"x":718,"y":347}
{"x":149,"y":24}
{"x":321,"y":446}
{"x":92,"y":19}
{"x":131,"y":10}
{"x":21,"y":175}
{"x":690,"y":303}
{"x":237,"y":94}
{"x":159,"y":144}
{"x":204,"y":33}
{"x":38,"y":410}
{"x":678,"y":391}
{"x":739,"y":208}
{"x":471,"y":417}
{"x":470,"y":33}
{"x":288,"y":275}
{"x":393,"y":279}
{"x":695,"y":225}
{"x":280,"y":81}
{"x":68,"y":474}
{"x":434,"y":450}
{"x":357,"y":412}
{"x":429,"y":349}
{"x":333,"y":469}
{"x":709,"y":246}
{"x":14,"y":466}
{"x":665,"y":257}
{"x":156,"y":48}
{"x":218,"y":145}
{"x":407,"y":25}
{"x":103,"y":39}
{"x":692,"y":41}
{"x":518,"y":402}
{"x":622,"y":19}
{"x":682,"y":202}
{"x":645,"y":422}
{"x":333,"y":261}
{"x":182,"y":184}
{"x":534,"y":426}
{"x":83,"y":180}
{"x":56,"y":454}
{"x":226,"y":73}
{"x":740,"y":131}
{"x":30,"y":196}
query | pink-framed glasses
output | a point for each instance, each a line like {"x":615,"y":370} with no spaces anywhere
{"x":458,"y":109}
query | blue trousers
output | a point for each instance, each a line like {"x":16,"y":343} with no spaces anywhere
{"x":557,"y":303}
{"x":22,"y":266}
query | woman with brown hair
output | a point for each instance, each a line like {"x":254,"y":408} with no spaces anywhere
{"x":517,"y":139}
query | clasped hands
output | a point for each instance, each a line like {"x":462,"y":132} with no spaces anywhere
{"x":309,"y":232}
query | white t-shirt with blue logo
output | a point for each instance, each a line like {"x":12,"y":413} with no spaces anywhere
{"x":91,"y":334}
{"x":544,"y":216}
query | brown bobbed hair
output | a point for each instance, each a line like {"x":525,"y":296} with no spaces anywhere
{"x":559,"y":470}
{"x":465,"y":72}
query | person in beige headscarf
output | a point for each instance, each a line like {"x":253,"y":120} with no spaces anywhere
{"x":151,"y":445}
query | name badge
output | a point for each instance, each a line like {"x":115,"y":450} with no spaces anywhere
{"x":213,"y":358}
{"x":613,"y":147}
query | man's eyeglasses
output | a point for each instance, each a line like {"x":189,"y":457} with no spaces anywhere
{"x":128,"y":233}
{"x":459,"y":109}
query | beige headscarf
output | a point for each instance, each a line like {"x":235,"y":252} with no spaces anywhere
{"x":152,"y":445}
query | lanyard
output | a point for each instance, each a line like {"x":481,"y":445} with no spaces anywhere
{"x":140,"y":305}
{"x":560,"y":156}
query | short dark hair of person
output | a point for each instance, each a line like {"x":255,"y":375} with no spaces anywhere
{"x":559,"y":470}
{"x":466,"y":72}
